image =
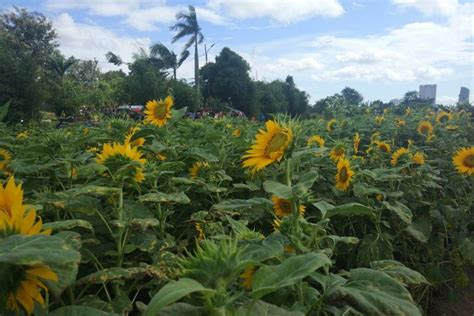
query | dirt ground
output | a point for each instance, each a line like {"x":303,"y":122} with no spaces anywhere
{"x":462,"y":305}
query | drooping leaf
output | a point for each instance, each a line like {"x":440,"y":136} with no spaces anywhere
{"x":399,"y":272}
{"x":278,"y":189}
{"x":373,"y":292}
{"x":68,"y":224}
{"x":172,"y":292}
{"x":401,"y":210}
{"x":160,"y":197}
{"x":467,"y":249}
{"x":420,"y":229}
{"x":268,"y":279}
{"x":238,"y":204}
{"x":112,"y":274}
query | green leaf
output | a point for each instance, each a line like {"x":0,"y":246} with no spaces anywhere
{"x":399,"y":272}
{"x":467,"y":250}
{"x":95,"y":190}
{"x":142,"y":133}
{"x":112,"y":274}
{"x":268,"y":279}
{"x":323,"y":207}
{"x":160,"y":197}
{"x":37,"y":249}
{"x":68,"y":224}
{"x":373,"y":292}
{"x":278,"y":189}
{"x":262,"y":249}
{"x":76,"y":310}
{"x":305,"y":183}
{"x":349,"y":209}
{"x":261,"y":308}
{"x":238,"y":204}
{"x":183,"y":309}
{"x":401,"y":210}
{"x":420,"y":229}
{"x":172,"y":292}
{"x":372,"y":248}
{"x":4,"y":110}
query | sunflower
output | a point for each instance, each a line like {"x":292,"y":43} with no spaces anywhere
{"x":316,"y":139}
{"x":344,"y":174}
{"x":444,"y":117}
{"x":356,"y":142}
{"x":337,"y":153}
{"x":158,"y":112}
{"x":116,"y":155}
{"x":16,"y":219}
{"x":400,"y":122}
{"x":463,"y":160}
{"x":236,"y":132}
{"x":247,"y":277}
{"x":22,"y":135}
{"x":92,"y":150}
{"x":330,"y":125}
{"x":161,"y":157}
{"x":375,"y":136}
{"x":452,"y":128}
{"x":383,"y":146}
{"x":85,"y":131}
{"x":269,"y":146}
{"x":199,"y":230}
{"x":418,"y":158}
{"x":29,"y":289}
{"x":398,"y":154}
{"x":379,"y":119}
{"x":425,"y":128}
{"x":5,"y":157}
{"x":196,"y":167}
{"x":137,"y":142}
{"x":282,"y":207}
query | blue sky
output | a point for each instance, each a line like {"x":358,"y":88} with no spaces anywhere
{"x":382,"y":48}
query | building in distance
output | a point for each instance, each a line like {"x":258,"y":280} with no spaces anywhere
{"x":463,"y":95}
{"x":428,"y":92}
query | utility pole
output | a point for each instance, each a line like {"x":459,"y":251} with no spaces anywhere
{"x":207,"y":50}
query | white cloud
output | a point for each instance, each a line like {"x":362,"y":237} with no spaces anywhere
{"x":147,"y":19}
{"x":282,"y":11}
{"x":86,"y":41}
{"x":102,"y":7}
{"x":430,"y":7}
{"x":447,"y":100}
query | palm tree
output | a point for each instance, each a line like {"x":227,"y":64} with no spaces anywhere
{"x":168,"y":58}
{"x":187,"y":25}
{"x":59,"y":64}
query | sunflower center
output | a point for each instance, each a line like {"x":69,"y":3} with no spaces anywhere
{"x":424,"y":129}
{"x":160,"y":110}
{"x":343,"y":174}
{"x":469,"y":161}
{"x":277,"y":143}
{"x":383,"y":147}
{"x":285,"y":206}
{"x":338,"y":152}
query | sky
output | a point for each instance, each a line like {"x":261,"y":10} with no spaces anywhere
{"x":382,"y":48}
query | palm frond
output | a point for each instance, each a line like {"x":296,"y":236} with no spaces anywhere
{"x":184,"y":55}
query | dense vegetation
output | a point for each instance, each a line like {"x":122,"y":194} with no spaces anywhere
{"x":340,"y":208}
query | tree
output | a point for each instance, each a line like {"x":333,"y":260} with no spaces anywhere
{"x":228,"y":80}
{"x":297,"y":100}
{"x":168,"y":58}
{"x":27,"y":41}
{"x":351,"y":96}
{"x":187,"y":25}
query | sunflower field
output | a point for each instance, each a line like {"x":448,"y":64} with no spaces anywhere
{"x":364,"y":215}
